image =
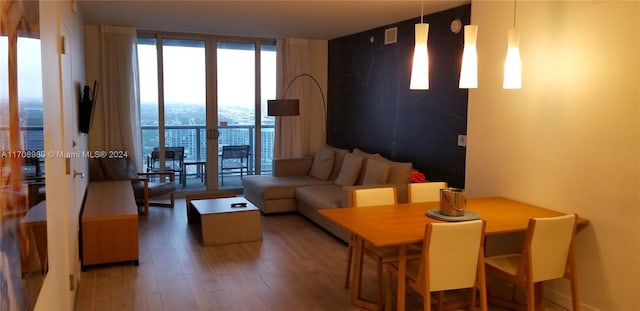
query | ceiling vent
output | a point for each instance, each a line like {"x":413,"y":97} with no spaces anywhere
{"x":391,"y":35}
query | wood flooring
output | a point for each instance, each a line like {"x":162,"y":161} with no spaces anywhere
{"x":297,"y":266}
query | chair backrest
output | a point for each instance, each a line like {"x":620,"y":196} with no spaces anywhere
{"x":173,"y":157}
{"x":426,"y":191}
{"x":451,"y":254}
{"x":235,"y":152}
{"x":374,"y":196}
{"x":548,"y":243}
{"x":174,"y":154}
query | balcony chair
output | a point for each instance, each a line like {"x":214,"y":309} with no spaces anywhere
{"x":382,"y":255}
{"x":547,"y":254}
{"x":234,"y":158}
{"x":173,"y":162}
{"x":452,"y":258}
{"x":143,"y":189}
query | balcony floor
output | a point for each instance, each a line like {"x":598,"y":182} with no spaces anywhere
{"x":194,"y":183}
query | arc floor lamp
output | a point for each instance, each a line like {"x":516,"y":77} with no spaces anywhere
{"x":291,"y":107}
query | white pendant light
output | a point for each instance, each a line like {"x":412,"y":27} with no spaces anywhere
{"x":469,"y":69}
{"x":512,"y":63}
{"x":420,"y":66}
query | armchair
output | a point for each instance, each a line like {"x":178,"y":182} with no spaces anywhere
{"x":143,"y":189}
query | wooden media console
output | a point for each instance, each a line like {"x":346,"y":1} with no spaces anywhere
{"x":109,"y":224}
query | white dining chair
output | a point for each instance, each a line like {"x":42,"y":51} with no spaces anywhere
{"x":452,"y":258}
{"x":547,"y":254}
{"x":382,"y":255}
{"x":426,"y":191}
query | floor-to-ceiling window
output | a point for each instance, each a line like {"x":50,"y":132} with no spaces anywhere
{"x":198,"y":94}
{"x":23,"y":236}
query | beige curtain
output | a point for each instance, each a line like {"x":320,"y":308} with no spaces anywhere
{"x":301,"y":135}
{"x":116,"y":120}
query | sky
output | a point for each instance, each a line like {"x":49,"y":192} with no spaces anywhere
{"x":29,"y":70}
{"x":184,"y":75}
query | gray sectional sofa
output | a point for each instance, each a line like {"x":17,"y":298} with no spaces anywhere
{"x":325,"y":180}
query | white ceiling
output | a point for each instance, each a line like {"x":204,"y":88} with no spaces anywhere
{"x":264,"y":19}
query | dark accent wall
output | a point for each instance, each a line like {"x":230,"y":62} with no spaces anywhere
{"x":370,"y":106}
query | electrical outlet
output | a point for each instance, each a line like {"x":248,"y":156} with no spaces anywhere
{"x":462,"y":140}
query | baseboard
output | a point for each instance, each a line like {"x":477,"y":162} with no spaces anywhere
{"x":564,"y":301}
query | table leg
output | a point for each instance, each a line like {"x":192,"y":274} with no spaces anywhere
{"x":539,"y":296}
{"x":357,"y":270}
{"x":356,"y":280}
{"x":402,"y":270}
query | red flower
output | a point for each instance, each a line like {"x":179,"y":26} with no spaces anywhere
{"x":416,"y":177}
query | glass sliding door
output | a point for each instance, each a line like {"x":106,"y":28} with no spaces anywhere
{"x":172,"y":108}
{"x":185,"y":106}
{"x":201,"y":97}
{"x":236,"y":75}
{"x":149,"y":101}
{"x":267,"y":91}
{"x":246,"y":80}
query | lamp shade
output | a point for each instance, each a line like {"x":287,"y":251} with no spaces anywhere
{"x":513,"y":64}
{"x":420,"y":68}
{"x":283,"y":107}
{"x":469,"y":69}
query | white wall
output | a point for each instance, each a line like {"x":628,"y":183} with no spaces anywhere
{"x":569,"y":140}
{"x":63,"y":74}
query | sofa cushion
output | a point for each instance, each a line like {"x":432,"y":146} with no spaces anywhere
{"x":350,"y":170}
{"x":399,"y":171}
{"x":338,"y":157}
{"x":322,"y":164}
{"x":363,"y":154}
{"x":365,"y":157}
{"x":283,"y":187}
{"x":376,"y":172}
{"x":320,"y":196}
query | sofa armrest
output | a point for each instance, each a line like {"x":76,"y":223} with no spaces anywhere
{"x":291,"y":166}
{"x":347,"y":192}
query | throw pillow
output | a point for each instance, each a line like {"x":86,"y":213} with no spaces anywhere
{"x":338,"y":157}
{"x":350,"y":170}
{"x":376,"y":172}
{"x":399,"y":171}
{"x":322,"y":164}
{"x":365,"y":156}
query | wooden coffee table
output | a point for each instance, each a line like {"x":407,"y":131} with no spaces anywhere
{"x":221,"y":223}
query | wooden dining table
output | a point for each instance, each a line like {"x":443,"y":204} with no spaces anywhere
{"x":404,"y":223}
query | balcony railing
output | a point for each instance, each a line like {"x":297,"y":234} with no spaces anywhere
{"x":194,"y":137}
{"x":191,"y":137}
{"x":32,"y":138}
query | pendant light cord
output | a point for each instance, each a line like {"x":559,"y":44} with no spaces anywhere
{"x":422,"y":12}
{"x":515,"y":4}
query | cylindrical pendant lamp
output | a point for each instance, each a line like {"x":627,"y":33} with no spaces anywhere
{"x":513,"y":64}
{"x":420,"y":67}
{"x":469,"y":69}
